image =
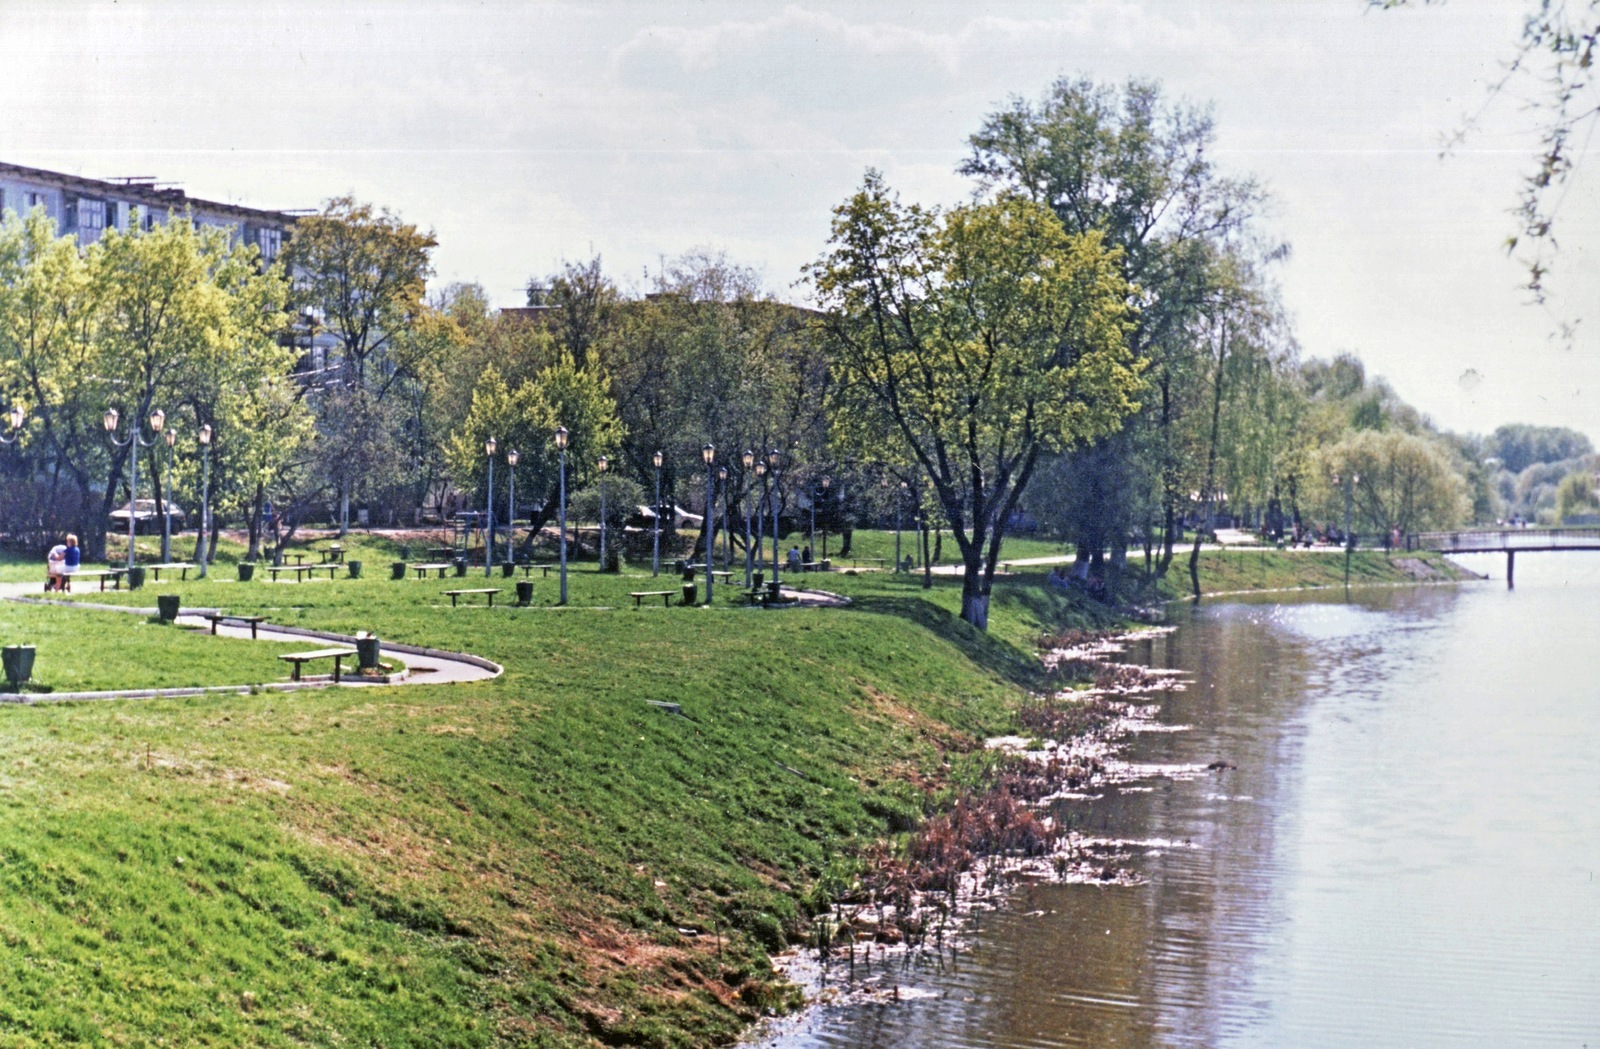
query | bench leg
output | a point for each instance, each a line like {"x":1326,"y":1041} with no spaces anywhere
{"x":294,"y":673}
{"x":336,"y":661}
{"x":252,"y":631}
{"x":491,"y":600}
{"x":214,"y":623}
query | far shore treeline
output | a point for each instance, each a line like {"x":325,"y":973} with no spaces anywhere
{"x":1092,"y":347}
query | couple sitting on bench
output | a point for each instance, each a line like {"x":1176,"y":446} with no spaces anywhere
{"x":62,"y":561}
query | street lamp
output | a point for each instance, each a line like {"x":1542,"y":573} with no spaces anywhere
{"x":205,"y":497}
{"x":772,"y":464}
{"x":761,"y":520}
{"x":655,"y":547}
{"x":827,"y":482}
{"x":709,"y":453}
{"x":602,"y":464}
{"x":727,"y":536}
{"x":748,"y":459}
{"x":1349,"y":540}
{"x":561,"y":507}
{"x":134,"y":441}
{"x":17,"y":415}
{"x":899,"y":500}
{"x":171,"y":437}
{"x":511,"y":506}
{"x":489,"y":448}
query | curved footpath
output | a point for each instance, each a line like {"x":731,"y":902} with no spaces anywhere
{"x":424,"y":666}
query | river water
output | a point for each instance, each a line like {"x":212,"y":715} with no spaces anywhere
{"x":1406,"y":855}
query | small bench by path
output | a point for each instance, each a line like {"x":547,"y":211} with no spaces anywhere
{"x":300,"y":571}
{"x":175,"y":566}
{"x":113,"y":574}
{"x":640,"y":595}
{"x":716,"y":573}
{"x":223,"y":617}
{"x":489,"y":590}
{"x":423,"y":568}
{"x":300,"y":659}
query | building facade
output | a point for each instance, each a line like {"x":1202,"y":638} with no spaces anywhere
{"x":86,"y":208}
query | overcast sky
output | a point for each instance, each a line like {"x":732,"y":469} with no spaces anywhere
{"x":525,"y":134}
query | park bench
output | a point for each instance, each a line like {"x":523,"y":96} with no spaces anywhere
{"x":223,"y":617}
{"x":301,"y":571}
{"x":857,"y":562}
{"x":103,"y":574}
{"x":490,"y":590}
{"x":816,"y":566}
{"x":640,"y":595}
{"x":333,"y":554}
{"x":425,"y":567}
{"x":299,"y":659}
{"x":176,"y":566}
{"x":716,"y":573}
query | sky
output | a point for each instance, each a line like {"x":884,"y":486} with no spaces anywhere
{"x":528,"y":134}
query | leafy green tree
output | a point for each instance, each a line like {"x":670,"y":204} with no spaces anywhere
{"x":1519,"y":445}
{"x":974,"y":342}
{"x":1406,"y":482}
{"x":1576,"y":495}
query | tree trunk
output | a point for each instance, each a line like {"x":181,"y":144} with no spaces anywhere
{"x":974,"y":595}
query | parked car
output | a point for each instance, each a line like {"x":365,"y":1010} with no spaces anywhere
{"x":146,"y":520}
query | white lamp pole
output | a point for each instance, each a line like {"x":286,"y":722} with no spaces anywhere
{"x":171,"y":437}
{"x":602,"y":464}
{"x":489,"y":447}
{"x":561,"y":506}
{"x":158,"y":419}
{"x":511,"y":506}
{"x":655,"y":550}
{"x":748,"y":459}
{"x":205,"y":498}
{"x":772,"y":464}
{"x":709,"y":454}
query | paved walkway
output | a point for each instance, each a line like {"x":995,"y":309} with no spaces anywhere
{"x":424,"y":666}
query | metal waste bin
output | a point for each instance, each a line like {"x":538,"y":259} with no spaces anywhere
{"x":18,"y":662}
{"x":367,"y":646}
{"x":167,"y":607}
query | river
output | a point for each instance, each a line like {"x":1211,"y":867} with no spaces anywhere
{"x":1405,"y":855}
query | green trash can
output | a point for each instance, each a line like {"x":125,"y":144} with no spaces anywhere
{"x":247,"y":571}
{"x":135,"y":577}
{"x":18,"y":662}
{"x":354,"y":568}
{"x":690,"y":593}
{"x":461,"y":566}
{"x":397,"y":569}
{"x":507,"y":569}
{"x":524,"y":592}
{"x":367,"y":646}
{"x":167,"y":607}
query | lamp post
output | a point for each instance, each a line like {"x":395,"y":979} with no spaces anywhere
{"x":655,"y":547}
{"x":761,"y":519}
{"x":171,"y":437}
{"x":561,"y":507}
{"x":772,"y":464}
{"x":709,"y":454}
{"x":489,"y":447}
{"x":899,"y":500}
{"x":602,"y":464}
{"x":811,"y":528}
{"x":511,"y":505}
{"x":827,"y":482}
{"x":158,"y":419}
{"x":16,"y":417}
{"x":748,"y":459}
{"x":727,"y":536}
{"x":1349,"y":540}
{"x":205,"y":497}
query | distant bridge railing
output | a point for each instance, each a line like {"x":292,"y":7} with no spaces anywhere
{"x":1505,"y":540}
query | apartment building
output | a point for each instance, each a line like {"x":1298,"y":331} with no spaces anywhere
{"x":87,"y":207}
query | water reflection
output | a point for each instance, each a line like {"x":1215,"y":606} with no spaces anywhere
{"x":1405,"y":855}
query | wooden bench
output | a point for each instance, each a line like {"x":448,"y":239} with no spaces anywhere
{"x":301,"y":571}
{"x":299,"y":659}
{"x":177,"y":566}
{"x":113,"y":574}
{"x":333,"y":554}
{"x":490,"y":590}
{"x":424,"y":568}
{"x":223,"y":617}
{"x":716,"y":573}
{"x":640,"y":595}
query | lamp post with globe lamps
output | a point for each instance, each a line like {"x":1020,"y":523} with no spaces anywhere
{"x":158,"y":420}
{"x":205,"y":498}
{"x":827,"y":482}
{"x":709,"y":454}
{"x":772,"y":464}
{"x":748,"y":459}
{"x":511,"y":505}
{"x":489,"y":448}
{"x":655,"y":546}
{"x":602,"y":464}
{"x":761,"y":519}
{"x":561,"y":507}
{"x":171,"y":437}
{"x":727,"y":536}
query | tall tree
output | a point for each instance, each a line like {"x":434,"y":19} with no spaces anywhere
{"x":976,"y":342}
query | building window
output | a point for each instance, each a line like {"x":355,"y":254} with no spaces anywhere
{"x":91,"y":214}
{"x":270,"y":241}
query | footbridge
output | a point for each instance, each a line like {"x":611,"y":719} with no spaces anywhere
{"x":1508,"y":541}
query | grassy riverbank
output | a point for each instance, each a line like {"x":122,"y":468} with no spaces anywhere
{"x":1246,"y":570}
{"x":546,"y":859}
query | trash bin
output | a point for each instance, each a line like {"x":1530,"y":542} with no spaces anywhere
{"x":688,"y":573}
{"x":758,"y":580}
{"x":682,"y":568}
{"x":367,"y":646}
{"x":461,"y":566}
{"x":524,"y":592}
{"x":507,"y":569}
{"x":613,"y":561}
{"x":354,"y":568}
{"x":18,"y":661}
{"x":135,"y":577}
{"x":397,"y":569}
{"x":690,"y":593}
{"x":773,"y":590}
{"x":247,"y":571}
{"x":167,"y":607}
